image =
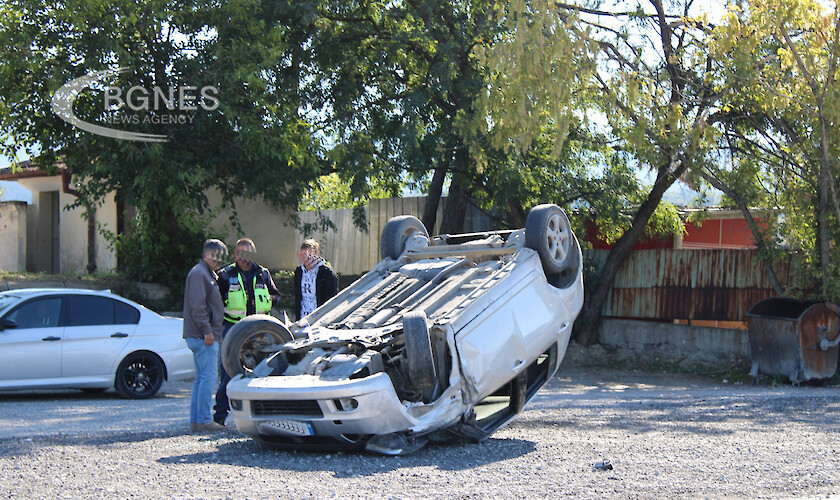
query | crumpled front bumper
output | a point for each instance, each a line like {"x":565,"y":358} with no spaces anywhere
{"x":306,"y":409}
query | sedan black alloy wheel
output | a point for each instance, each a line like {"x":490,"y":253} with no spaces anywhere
{"x":139,"y":376}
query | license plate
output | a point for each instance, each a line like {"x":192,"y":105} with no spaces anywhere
{"x":292,"y":427}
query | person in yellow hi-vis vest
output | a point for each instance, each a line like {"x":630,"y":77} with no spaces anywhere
{"x":246,"y":288}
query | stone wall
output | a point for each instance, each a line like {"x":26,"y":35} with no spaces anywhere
{"x":629,"y":343}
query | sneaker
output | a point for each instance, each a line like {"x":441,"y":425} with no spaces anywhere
{"x":210,"y":426}
{"x":220,"y":421}
{"x":193,"y":426}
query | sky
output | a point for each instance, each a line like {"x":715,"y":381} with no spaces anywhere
{"x":12,"y":191}
{"x":5,"y":161}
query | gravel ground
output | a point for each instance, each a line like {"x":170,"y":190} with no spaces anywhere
{"x":665,"y":436}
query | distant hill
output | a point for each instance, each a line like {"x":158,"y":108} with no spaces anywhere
{"x":682,"y":196}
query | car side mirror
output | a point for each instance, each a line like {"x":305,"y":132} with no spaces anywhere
{"x":8,"y":323}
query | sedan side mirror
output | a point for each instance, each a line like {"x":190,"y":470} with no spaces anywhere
{"x":8,"y":323}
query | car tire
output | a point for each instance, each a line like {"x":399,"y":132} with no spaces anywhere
{"x":396,"y":233}
{"x":242,"y":343}
{"x":418,"y":351}
{"x":548,"y":232}
{"x":139,"y":375}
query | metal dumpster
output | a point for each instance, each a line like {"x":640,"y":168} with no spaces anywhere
{"x":794,"y":338}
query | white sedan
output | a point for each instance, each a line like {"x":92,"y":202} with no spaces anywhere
{"x":88,"y":340}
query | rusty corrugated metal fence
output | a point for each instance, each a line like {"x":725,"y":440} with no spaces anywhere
{"x":667,"y":284}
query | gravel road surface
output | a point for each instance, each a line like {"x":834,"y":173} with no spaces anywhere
{"x":666,"y":436}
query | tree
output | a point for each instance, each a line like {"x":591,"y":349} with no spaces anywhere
{"x":396,"y":94}
{"x":413,"y":92}
{"x":484,"y":93}
{"x":645,"y":71}
{"x":254,"y":144}
{"x":648,"y":73}
{"x":779,"y":60}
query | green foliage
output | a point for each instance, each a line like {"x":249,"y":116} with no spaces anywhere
{"x":325,"y":103}
{"x":332,"y":192}
{"x":255,"y":144}
{"x":396,"y":95}
{"x":429,"y":85}
{"x":532,"y":67}
{"x":778,"y":61}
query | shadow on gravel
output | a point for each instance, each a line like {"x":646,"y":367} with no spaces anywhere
{"x":82,"y":396}
{"x":58,"y":395}
{"x":344,"y":464}
{"x":17,"y":446}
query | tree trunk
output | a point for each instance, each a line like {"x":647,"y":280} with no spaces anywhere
{"x":433,"y":198}
{"x":516,"y":214}
{"x":825,"y":204}
{"x":90,"y":215}
{"x":90,"y":209}
{"x":591,"y":316}
{"x":455,"y":210}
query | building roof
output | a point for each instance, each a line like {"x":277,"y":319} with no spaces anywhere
{"x":25,"y":170}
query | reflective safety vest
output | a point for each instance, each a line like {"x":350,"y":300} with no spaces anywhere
{"x":236,"y":304}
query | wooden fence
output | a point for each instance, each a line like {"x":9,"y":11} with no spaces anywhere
{"x":351,"y":250}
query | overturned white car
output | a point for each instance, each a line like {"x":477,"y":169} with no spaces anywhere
{"x":453,"y":333}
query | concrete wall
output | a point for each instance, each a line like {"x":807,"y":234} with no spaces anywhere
{"x":72,"y":230}
{"x":688,"y":346}
{"x":12,"y":236}
{"x":270,"y":229}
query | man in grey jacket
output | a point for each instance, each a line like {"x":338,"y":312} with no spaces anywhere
{"x":203,"y":316}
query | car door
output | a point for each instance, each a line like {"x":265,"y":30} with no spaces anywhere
{"x":98,"y":331}
{"x":31,"y":349}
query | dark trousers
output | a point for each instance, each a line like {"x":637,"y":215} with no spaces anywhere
{"x":222,"y":407}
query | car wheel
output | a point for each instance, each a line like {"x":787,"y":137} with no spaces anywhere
{"x":139,"y":376}
{"x":243,"y":347}
{"x":547,"y":230}
{"x":395,"y":234}
{"x":418,"y":351}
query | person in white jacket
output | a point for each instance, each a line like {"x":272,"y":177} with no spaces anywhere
{"x":315,"y":281}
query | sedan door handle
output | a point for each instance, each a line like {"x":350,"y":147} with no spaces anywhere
{"x":51,"y":339}
{"x":119,"y":335}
